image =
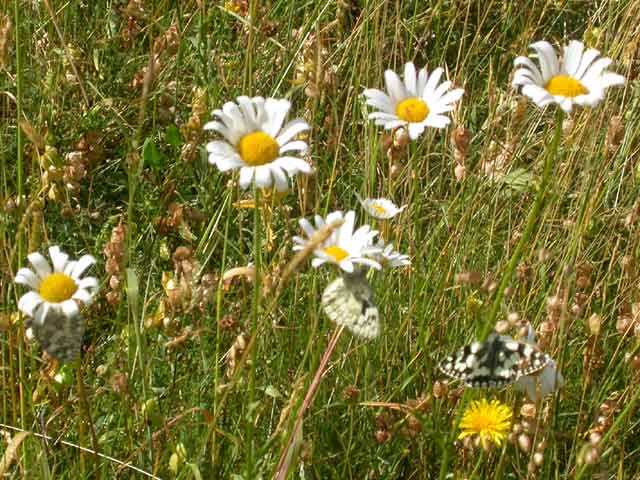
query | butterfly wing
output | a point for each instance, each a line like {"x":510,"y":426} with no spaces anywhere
{"x":348,"y":301}
{"x":59,"y":336}
{"x":496,"y":362}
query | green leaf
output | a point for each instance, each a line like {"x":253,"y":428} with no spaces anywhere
{"x":172,"y":136}
{"x":151,"y":155}
{"x":518,"y":179}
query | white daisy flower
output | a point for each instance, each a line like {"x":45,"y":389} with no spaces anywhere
{"x":380,"y":208}
{"x":55,"y":290}
{"x":579,"y":78}
{"x":541,"y":383}
{"x":257,"y":143}
{"x":345,"y":247}
{"x":388,"y":257}
{"x":419,"y":102}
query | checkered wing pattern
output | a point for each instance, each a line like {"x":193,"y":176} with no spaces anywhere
{"x":496,"y":362}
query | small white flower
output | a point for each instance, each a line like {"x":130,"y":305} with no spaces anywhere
{"x":380,"y":208}
{"x":345,"y":247}
{"x":389,"y":258}
{"x":257,"y":143}
{"x":55,"y":290}
{"x":541,"y":383}
{"x":418,"y":102}
{"x":579,"y":78}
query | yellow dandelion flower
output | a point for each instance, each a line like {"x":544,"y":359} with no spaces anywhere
{"x":490,"y":421}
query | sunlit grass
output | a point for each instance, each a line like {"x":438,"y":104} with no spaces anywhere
{"x":205,"y":337}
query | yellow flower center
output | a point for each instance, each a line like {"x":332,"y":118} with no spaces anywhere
{"x":57,"y":288}
{"x":258,"y":148}
{"x":412,"y":110}
{"x":337,"y":253}
{"x":565,"y":86}
{"x":379,"y":209}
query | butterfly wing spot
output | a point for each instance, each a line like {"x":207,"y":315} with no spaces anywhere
{"x":348,"y":301}
{"x":496,"y":362}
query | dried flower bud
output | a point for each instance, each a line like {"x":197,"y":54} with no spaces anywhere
{"x":382,"y":436}
{"x":524,"y":442}
{"x":538,"y":459}
{"x":544,"y":255}
{"x":594,"y":323}
{"x":401,"y":138}
{"x":470,"y":277}
{"x":591,"y":456}
{"x":594,"y":438}
{"x":440,"y":389}
{"x":567,"y":126}
{"x":502,"y":327}
{"x":513,"y":318}
{"x":624,"y":325}
{"x":528,"y":410}
{"x":351,"y":393}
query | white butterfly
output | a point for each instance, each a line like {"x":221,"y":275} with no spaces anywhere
{"x":498,"y":361}
{"x":348,"y":301}
{"x":58,"y":335}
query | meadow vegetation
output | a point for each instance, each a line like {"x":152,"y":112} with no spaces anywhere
{"x":207,"y":329}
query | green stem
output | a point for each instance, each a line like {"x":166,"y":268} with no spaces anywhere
{"x":257,"y":242}
{"x":531,"y":224}
{"x":84,"y":403}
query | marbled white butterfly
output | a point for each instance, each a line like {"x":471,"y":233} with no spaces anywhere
{"x":348,"y":301}
{"x":58,"y":335}
{"x":496,"y":362}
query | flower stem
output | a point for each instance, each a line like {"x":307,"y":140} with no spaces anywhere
{"x":84,"y":404}
{"x":257,"y":249}
{"x":532,"y":222}
{"x":285,"y":458}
